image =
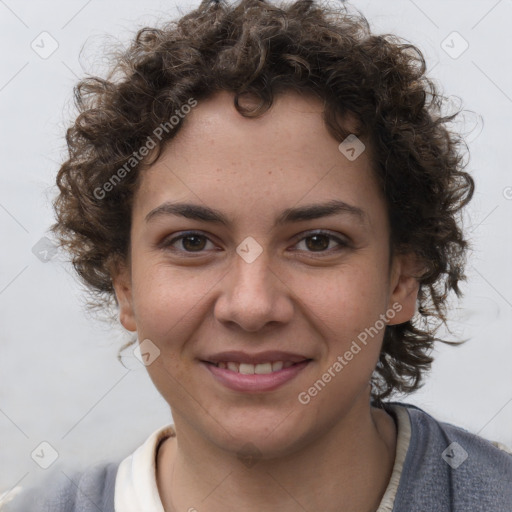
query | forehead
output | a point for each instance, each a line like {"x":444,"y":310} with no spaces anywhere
{"x":294,"y":123}
{"x":272,"y":162}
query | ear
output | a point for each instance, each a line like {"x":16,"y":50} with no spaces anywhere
{"x":405,"y":286}
{"x":122,"y":282}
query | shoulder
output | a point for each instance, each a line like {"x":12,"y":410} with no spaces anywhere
{"x":92,"y":489}
{"x":449,"y":468}
{"x":68,"y":491}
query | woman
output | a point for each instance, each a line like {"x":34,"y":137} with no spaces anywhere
{"x":203,"y":174}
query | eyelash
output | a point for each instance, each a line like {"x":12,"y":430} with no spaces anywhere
{"x":341,"y":243}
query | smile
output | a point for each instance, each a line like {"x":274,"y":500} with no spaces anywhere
{"x":251,"y":369}
{"x":255,"y":378}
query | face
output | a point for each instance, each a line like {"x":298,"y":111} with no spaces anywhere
{"x":282,"y":254}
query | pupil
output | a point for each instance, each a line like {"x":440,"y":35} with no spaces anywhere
{"x":316,"y":237}
{"x":199,"y":243}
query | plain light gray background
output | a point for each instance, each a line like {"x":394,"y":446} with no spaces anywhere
{"x":60,"y":380}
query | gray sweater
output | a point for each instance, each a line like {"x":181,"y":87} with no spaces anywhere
{"x":446,"y":469}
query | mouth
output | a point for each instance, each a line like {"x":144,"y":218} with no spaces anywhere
{"x":255,"y":369}
{"x":255,"y":373}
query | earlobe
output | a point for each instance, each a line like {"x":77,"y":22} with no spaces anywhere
{"x":123,"y":290}
{"x":405,"y":290}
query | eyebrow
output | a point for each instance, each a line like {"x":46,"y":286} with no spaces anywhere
{"x":297,"y":214}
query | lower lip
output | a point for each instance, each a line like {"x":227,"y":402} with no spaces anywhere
{"x":255,"y":382}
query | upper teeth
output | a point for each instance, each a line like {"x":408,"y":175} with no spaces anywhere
{"x":260,"y":368}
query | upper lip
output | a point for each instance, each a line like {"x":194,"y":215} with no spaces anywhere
{"x":261,"y":357}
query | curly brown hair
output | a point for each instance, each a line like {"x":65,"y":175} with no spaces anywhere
{"x":264,"y":49}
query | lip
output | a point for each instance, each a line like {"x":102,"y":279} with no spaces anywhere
{"x":261,"y":357}
{"x":257,"y":382}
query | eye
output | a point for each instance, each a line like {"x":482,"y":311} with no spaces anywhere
{"x":319,"y":241}
{"x":196,"y":242}
{"x":191,"y":241}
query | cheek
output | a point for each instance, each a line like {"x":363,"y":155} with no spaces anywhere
{"x":346,"y":300}
{"x":167,"y":301}
{"x":346,"y":310}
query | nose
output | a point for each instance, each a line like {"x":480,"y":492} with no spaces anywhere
{"x":253,"y":295}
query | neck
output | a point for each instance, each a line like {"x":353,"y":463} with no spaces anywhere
{"x":360,"y":450}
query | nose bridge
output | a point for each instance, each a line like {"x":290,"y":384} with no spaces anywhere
{"x":252,"y":275}
{"x":252,"y":295}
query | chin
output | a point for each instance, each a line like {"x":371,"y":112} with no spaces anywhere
{"x":273,"y":437}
